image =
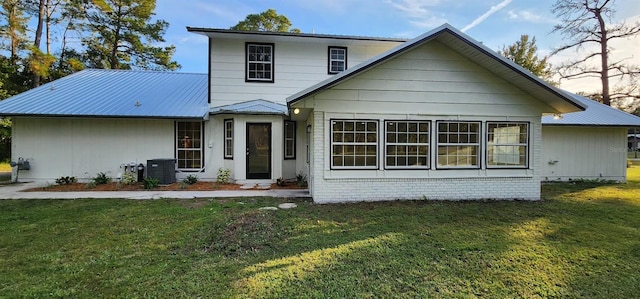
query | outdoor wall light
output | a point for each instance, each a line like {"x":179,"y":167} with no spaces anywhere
{"x":296,"y":111}
{"x":557,"y":116}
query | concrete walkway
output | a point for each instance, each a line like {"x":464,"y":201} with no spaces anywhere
{"x":14,"y":191}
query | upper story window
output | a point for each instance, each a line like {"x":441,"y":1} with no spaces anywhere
{"x":259,"y":62}
{"x":507,"y":144}
{"x":337,"y":59}
{"x":458,"y":144}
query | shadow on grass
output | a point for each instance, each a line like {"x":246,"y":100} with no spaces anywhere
{"x":560,"y":247}
{"x":444,"y":249}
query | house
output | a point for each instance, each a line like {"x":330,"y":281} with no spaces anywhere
{"x":586,"y":145}
{"x":633,"y":143}
{"x":440,"y":116}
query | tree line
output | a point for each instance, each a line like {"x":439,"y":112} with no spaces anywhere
{"x":43,"y":40}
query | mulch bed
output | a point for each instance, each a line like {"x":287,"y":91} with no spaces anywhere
{"x":198,"y":186}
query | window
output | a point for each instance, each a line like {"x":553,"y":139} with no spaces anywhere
{"x":407,"y":144}
{"x":354,"y":144}
{"x":507,"y":144}
{"x":189,"y":145}
{"x":259,"y":63}
{"x":228,"y":138}
{"x":337,"y":59}
{"x":289,"y":139}
{"x":458,"y":144}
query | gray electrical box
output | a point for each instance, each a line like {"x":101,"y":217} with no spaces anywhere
{"x":164,"y":170}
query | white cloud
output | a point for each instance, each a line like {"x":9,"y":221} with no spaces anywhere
{"x":194,"y":39}
{"x":487,"y":14}
{"x":531,"y":17}
{"x":420,"y":12}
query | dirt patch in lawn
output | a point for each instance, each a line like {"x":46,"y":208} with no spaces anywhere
{"x":179,"y":186}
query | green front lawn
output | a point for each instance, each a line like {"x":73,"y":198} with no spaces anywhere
{"x":583,"y":241}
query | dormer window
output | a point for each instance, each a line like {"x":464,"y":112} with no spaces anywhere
{"x":259,"y":63}
{"x":337,"y":59}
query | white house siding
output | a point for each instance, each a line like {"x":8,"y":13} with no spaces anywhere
{"x":584,"y":153}
{"x":238,"y":164}
{"x":297,"y":66}
{"x":428,"y":83}
{"x":84,"y":147}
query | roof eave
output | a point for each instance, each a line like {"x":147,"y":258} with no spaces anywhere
{"x":103,"y":116}
{"x":433,"y":34}
{"x":209,"y":31}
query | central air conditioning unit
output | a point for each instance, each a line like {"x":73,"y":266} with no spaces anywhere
{"x":164,"y":170}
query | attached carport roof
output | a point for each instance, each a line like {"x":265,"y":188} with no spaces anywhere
{"x":474,"y":51}
{"x":115,"y":93}
{"x":596,"y":114}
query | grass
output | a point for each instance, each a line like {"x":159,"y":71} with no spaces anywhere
{"x":582,"y":241}
{"x":633,"y":155}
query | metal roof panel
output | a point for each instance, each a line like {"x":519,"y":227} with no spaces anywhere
{"x":115,"y":93}
{"x":596,"y":114}
{"x":259,"y":106}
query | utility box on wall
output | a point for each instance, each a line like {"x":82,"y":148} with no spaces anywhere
{"x":164,"y":170}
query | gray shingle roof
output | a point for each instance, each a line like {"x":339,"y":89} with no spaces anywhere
{"x":115,"y":93}
{"x":596,"y":114}
{"x":251,"y":107}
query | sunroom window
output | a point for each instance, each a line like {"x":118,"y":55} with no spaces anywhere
{"x":407,"y":144}
{"x":458,"y":144}
{"x":354,"y":144}
{"x":507,"y":144}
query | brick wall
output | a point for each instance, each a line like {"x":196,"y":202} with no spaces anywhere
{"x":346,"y":190}
{"x":329,"y":190}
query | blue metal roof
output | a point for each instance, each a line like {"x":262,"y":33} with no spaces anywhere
{"x":251,"y":107}
{"x":115,"y":93}
{"x":596,"y":114}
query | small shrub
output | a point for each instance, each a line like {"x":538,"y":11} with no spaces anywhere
{"x":150,"y":183}
{"x":301,"y":179}
{"x":66,"y":180}
{"x":101,"y":178}
{"x":183,"y":185}
{"x":190,"y":180}
{"x":129,"y":178}
{"x":280,"y":181}
{"x":91,"y":185}
{"x":223,"y":175}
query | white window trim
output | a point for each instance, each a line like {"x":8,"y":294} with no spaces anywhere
{"x":526,"y":145}
{"x":271,"y":63}
{"x":330,"y":59}
{"x":194,"y":149}
{"x":291,"y":155}
{"x":228,"y":154}
{"x":376,"y":144}
{"x":427,"y":144}
{"x":439,"y":144}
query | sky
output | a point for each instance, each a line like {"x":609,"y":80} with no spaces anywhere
{"x":495,"y":23}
